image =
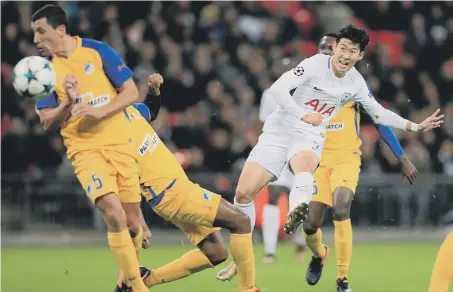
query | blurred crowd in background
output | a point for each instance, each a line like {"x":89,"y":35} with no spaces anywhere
{"x":218,"y":57}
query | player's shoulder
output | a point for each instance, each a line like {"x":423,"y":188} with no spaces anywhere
{"x":94,"y":45}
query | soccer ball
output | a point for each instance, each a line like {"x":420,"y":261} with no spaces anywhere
{"x":34,"y":77}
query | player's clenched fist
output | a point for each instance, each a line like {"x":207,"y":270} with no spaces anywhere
{"x":155,"y":80}
{"x":314,"y":119}
{"x":71,"y":88}
{"x":431,"y":122}
{"x":146,"y":238}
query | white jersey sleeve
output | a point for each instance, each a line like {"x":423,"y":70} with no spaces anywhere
{"x":289,"y":81}
{"x":267,"y":105}
{"x":376,"y":111}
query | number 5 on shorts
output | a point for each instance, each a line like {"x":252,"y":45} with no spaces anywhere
{"x":97,"y":181}
{"x":315,"y":188}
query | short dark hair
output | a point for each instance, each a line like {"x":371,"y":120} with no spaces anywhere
{"x":54,"y":14}
{"x":356,"y":35}
{"x":330,"y":34}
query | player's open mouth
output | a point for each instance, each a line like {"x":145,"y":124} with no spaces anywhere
{"x":343,"y":64}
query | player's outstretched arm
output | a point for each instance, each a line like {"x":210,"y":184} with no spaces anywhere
{"x":385,"y":117}
{"x":407,"y":168}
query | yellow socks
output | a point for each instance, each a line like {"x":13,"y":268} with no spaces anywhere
{"x":137,"y":241}
{"x":314,"y":242}
{"x":343,"y":246}
{"x":124,"y":251}
{"x":242,"y":251}
{"x":443,"y":267}
{"x":192,"y":262}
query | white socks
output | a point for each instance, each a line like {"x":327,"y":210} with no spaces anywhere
{"x":271,"y":223}
{"x":299,"y":237}
{"x":302,"y":190}
{"x":248,"y":209}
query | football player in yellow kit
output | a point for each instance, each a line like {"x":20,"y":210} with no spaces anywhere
{"x":335,"y":184}
{"x":93,"y":88}
{"x":198,"y":212}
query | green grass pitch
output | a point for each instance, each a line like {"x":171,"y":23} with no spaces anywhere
{"x":375,"y":268}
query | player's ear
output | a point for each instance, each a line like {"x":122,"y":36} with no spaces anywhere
{"x":362,"y":53}
{"x":61,"y":29}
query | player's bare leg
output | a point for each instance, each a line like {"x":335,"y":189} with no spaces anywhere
{"x":253,"y":178}
{"x":303,"y":164}
{"x":120,"y":240}
{"x":313,"y":238}
{"x":211,"y":252}
{"x":133,"y":217}
{"x":342,"y":201}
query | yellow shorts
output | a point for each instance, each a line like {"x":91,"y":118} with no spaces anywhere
{"x":101,"y":172}
{"x":336,"y":170}
{"x":191,"y":208}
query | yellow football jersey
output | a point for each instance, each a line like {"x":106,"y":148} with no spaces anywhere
{"x":99,"y":71}
{"x":343,"y":130}
{"x":158,"y":166}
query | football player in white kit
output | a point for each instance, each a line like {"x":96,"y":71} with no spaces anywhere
{"x":308,"y":96}
{"x":271,"y":212}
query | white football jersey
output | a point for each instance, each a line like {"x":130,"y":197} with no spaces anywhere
{"x":313,"y":87}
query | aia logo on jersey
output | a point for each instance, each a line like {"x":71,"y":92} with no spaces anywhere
{"x":346,"y":97}
{"x":88,"y":69}
{"x":322,"y":109}
{"x":298,"y":71}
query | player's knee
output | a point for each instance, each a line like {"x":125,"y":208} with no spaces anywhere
{"x":113,"y":212}
{"x":310,"y":227}
{"x":217,"y":256}
{"x":115,"y":219}
{"x":241,"y":223}
{"x":244,"y":195}
{"x":341,"y":212}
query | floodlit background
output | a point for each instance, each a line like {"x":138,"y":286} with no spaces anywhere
{"x":216,"y":59}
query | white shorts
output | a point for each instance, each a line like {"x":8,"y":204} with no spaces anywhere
{"x":275,"y":148}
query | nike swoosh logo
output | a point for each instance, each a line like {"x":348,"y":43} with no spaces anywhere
{"x":318,"y":89}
